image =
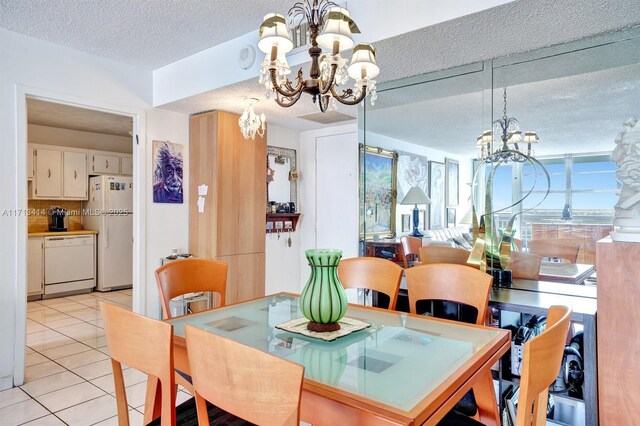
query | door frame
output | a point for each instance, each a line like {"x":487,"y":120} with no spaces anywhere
{"x":139,"y":196}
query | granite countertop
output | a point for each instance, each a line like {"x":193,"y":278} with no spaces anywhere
{"x":62,"y":234}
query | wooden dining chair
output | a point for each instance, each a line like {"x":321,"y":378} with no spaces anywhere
{"x":467,"y":286}
{"x":410,"y":249}
{"x":372,"y":273}
{"x":147,"y":345}
{"x":561,"y":248}
{"x":191,"y":275}
{"x":442,"y":254}
{"x":525,"y":265}
{"x":541,"y":361}
{"x":254,"y":385}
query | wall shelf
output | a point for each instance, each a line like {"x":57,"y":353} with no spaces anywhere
{"x":274,"y":218}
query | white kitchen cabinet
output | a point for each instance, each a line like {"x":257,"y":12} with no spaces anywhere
{"x":105,"y":163}
{"x":126,"y":165}
{"x":48,"y":173}
{"x":75,"y":181}
{"x":35,"y":267}
{"x":30,"y":163}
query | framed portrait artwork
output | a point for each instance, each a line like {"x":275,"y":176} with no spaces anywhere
{"x":437,"y":181}
{"x":406,"y":222}
{"x":453,"y":182}
{"x":413,"y":170}
{"x":378,"y":186}
{"x":167,"y":172}
{"x":451,"y":218}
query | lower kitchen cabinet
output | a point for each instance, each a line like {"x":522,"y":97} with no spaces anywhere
{"x":35,"y":267}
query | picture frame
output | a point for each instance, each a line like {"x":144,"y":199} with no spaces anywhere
{"x":423,"y":218}
{"x":451,"y":217}
{"x":406,"y":222}
{"x":453,"y":182}
{"x":437,"y":189}
{"x":167,"y":173}
{"x":413,"y":170}
{"x":377,"y":184}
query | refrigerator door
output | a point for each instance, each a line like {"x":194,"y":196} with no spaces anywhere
{"x":118,"y":193}
{"x":115,"y":252}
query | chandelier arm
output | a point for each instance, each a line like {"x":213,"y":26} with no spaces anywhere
{"x":344,"y":98}
{"x":325,"y":89}
{"x":292,"y":100}
{"x":281,"y":90}
{"x":323,"y":103}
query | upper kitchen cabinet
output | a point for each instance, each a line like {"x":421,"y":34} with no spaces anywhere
{"x":48,"y":183}
{"x":104,"y":163}
{"x":75,"y":182}
{"x":126,"y":165}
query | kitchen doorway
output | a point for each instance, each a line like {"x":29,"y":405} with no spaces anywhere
{"x":106,"y":139}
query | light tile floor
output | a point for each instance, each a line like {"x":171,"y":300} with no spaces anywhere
{"x":68,"y":379}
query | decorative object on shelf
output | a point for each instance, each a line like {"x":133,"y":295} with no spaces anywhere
{"x":330,"y":27}
{"x":167,"y":172}
{"x":289,"y":218}
{"x":416,"y":196}
{"x":437,"y":188}
{"x":251,"y":123}
{"x":323,"y":300}
{"x":492,"y":247}
{"x":453,"y":181}
{"x":378,"y":184}
{"x":626,"y":155}
{"x":513,"y":145}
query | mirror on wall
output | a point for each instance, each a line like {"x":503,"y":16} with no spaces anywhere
{"x":282,"y":176}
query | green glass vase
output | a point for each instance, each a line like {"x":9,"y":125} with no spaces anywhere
{"x":323,"y":300}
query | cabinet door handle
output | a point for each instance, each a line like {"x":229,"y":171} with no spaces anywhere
{"x":75,"y":174}
{"x":106,"y":163}
{"x":49,"y":172}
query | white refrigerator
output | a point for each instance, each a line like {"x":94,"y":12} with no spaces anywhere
{"x":110,"y":212}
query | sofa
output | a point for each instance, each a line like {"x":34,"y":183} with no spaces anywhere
{"x":451,"y":237}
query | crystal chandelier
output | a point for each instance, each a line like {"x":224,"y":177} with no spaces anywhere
{"x":251,"y":123}
{"x":514,"y":146}
{"x":329,"y":27}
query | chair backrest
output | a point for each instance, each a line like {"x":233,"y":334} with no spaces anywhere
{"x":254,"y":385}
{"x":190,"y":276}
{"x":371,"y":273}
{"x":410,"y":247}
{"x":518,"y":243}
{"x":129,"y":338}
{"x":525,"y":265}
{"x":562,"y":248}
{"x":454,"y":283}
{"x":442,"y":254}
{"x":540,"y":365}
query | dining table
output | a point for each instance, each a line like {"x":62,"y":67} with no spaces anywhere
{"x":403,"y":369}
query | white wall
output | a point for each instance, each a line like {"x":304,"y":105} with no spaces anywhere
{"x":34,"y":66}
{"x":282,"y":272}
{"x":466,"y":172}
{"x":46,"y":135}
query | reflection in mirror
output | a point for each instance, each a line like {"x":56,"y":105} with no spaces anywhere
{"x":282,"y":175}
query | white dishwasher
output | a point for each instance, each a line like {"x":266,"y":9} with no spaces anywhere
{"x":69,"y":264}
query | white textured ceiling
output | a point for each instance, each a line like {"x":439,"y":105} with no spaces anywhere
{"x":63,"y":116}
{"x":148,"y":33}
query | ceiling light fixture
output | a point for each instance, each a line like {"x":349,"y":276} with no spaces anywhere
{"x":514,"y":146}
{"x":330,"y":27}
{"x":251,"y":123}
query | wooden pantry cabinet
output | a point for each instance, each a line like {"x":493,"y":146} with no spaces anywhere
{"x":231,"y":227}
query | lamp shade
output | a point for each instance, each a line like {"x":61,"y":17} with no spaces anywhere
{"x":363,"y":62}
{"x":337,"y":27}
{"x":514,"y":138}
{"x":531,"y":137}
{"x":416,"y":196}
{"x":273,"y":32}
{"x":485,"y":138}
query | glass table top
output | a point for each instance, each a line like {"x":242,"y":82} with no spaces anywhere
{"x":397,"y":361}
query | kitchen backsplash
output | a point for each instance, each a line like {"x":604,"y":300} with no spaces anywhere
{"x":39,"y":221}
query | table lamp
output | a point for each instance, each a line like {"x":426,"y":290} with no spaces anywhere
{"x":416,"y":196}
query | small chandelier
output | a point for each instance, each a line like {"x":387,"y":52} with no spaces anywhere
{"x":251,"y":123}
{"x":514,"y":145}
{"x":330,"y":27}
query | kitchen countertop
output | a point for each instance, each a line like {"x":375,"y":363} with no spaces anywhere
{"x":62,"y":234}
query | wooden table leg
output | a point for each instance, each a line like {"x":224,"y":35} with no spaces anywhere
{"x":153,"y":400}
{"x":486,"y":400}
